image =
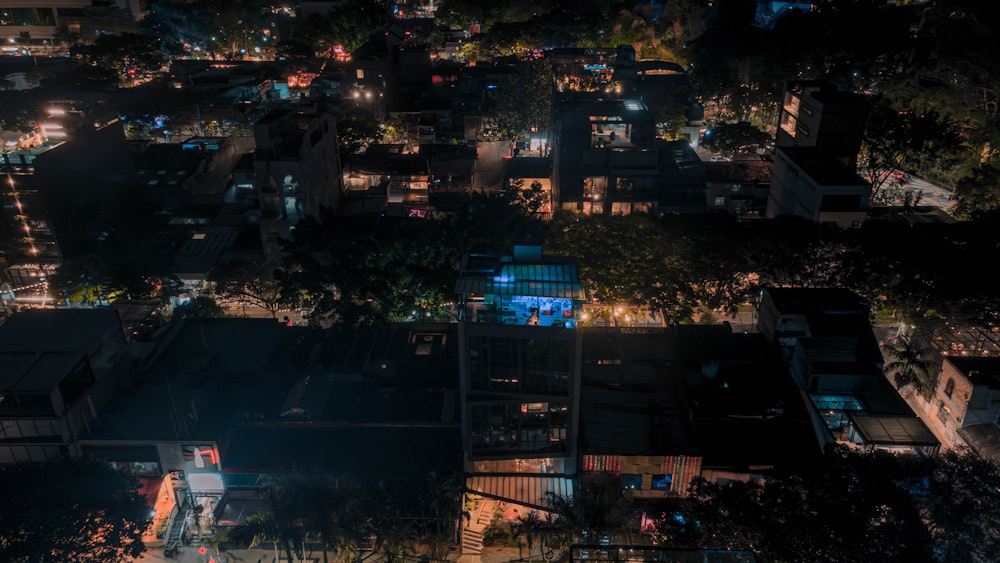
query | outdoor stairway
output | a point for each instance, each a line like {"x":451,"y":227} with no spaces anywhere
{"x":472,"y":540}
{"x":176,"y":528}
{"x":472,"y":534}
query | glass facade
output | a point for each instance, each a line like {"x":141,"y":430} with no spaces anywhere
{"x":502,"y":428}
{"x":520,"y":365}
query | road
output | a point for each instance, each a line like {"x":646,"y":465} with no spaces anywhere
{"x":925,"y":193}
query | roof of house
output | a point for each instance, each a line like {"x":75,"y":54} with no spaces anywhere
{"x":365,"y":452}
{"x":980,"y":370}
{"x":204,"y":374}
{"x":893,"y":430}
{"x":34,"y":372}
{"x":542,"y":276}
{"x":56,"y":330}
{"x":202,"y":250}
{"x":818,"y":300}
{"x":984,"y":439}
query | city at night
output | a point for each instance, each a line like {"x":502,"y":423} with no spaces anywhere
{"x":521,"y":281}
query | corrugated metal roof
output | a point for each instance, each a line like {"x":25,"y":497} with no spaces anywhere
{"x":898,"y":430}
{"x":526,"y":490}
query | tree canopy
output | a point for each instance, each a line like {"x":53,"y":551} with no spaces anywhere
{"x":73,"y":510}
{"x":843,"y":506}
{"x":519,"y":102}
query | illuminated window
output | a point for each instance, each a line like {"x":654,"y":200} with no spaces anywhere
{"x":662,"y":482}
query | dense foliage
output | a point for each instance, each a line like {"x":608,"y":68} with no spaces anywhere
{"x":77,"y":510}
{"x":347,"y":516}
{"x":845,"y":506}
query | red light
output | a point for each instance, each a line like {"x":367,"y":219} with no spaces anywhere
{"x":202,"y":550}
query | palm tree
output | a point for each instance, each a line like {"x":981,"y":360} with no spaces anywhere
{"x":439,"y":501}
{"x":530,"y":526}
{"x":335,"y":508}
{"x":909,"y":365}
{"x":394,"y":527}
{"x":598,"y":510}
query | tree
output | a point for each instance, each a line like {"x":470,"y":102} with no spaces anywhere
{"x":336,"y":508}
{"x":978,"y":194}
{"x":124,"y":56}
{"x":64,"y":36}
{"x":727,"y":138}
{"x":895,"y":142}
{"x":531,"y":201}
{"x":351,"y":25}
{"x":439,"y":501}
{"x":201,"y":307}
{"x":519,"y":102}
{"x":254,"y":284}
{"x":843,"y":506}
{"x":599,"y":511}
{"x":908,"y":364}
{"x":70,"y":510}
{"x":959,"y":498}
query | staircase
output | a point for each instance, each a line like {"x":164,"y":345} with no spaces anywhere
{"x":472,"y":541}
{"x":176,"y":531}
{"x":472,"y":534}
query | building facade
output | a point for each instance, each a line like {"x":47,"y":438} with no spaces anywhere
{"x":519,"y":373}
{"x":297,"y":170}
{"x":815,"y":158}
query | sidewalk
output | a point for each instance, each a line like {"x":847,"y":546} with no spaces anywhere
{"x":266,"y":554}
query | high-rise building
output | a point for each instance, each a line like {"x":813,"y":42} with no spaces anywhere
{"x":816,"y":153}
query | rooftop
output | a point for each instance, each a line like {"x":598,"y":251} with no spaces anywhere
{"x":57,"y":330}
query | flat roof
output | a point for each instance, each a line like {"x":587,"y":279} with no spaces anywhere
{"x":204,"y":373}
{"x":893,"y":430}
{"x":363,"y":452}
{"x":546,"y":277}
{"x":56,"y":330}
{"x":805,"y":300}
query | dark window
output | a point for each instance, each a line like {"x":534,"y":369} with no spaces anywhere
{"x":949,"y":387}
{"x":632,"y":481}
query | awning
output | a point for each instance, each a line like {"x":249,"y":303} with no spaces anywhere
{"x":893,"y":430}
{"x":206,"y":483}
{"x":527,"y":490}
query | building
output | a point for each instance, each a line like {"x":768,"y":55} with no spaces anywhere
{"x":825,"y":338}
{"x":814,"y":113}
{"x":815,"y":160}
{"x":740,"y":186}
{"x":28,"y":242}
{"x":605,"y":161}
{"x":223,"y":404}
{"x":59,"y":369}
{"x":808,"y":183}
{"x":297,"y":170}
{"x":965,"y":404}
{"x":42,"y":20}
{"x":519,"y":372}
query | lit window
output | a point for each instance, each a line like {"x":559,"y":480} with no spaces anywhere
{"x":632,"y":481}
{"x":662,"y":482}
